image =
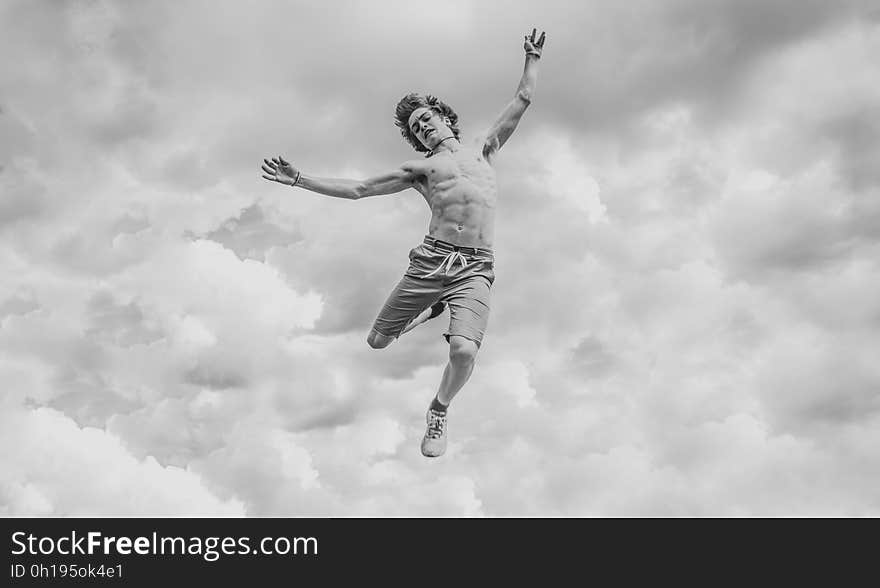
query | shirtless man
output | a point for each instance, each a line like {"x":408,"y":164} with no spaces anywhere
{"x":454,"y":264}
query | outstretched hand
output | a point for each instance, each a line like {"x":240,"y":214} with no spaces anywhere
{"x":279,"y":170}
{"x":534,"y":46}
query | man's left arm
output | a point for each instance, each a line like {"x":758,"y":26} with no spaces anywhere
{"x":512,"y":113}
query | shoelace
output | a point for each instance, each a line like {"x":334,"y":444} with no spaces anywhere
{"x":449,"y":262}
{"x":436,"y":424}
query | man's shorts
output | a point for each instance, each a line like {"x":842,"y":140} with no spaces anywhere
{"x":439,"y":271}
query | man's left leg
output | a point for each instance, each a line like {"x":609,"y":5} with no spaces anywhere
{"x":462,"y":356}
{"x":468,"y":300}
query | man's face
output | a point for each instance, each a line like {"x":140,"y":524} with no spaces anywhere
{"x":429,"y":127}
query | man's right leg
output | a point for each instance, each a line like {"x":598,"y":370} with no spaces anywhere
{"x":404,"y":305}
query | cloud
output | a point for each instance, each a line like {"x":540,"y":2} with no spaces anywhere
{"x":251,"y":235}
{"x":18,"y":304}
{"x":122,"y":323}
{"x":62,"y":470}
{"x":23,"y":199}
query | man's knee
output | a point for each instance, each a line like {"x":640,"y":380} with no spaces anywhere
{"x":377,"y":340}
{"x":462,"y":351}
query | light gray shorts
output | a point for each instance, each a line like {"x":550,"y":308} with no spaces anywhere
{"x":460,"y":277}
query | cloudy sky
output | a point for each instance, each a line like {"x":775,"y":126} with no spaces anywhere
{"x":686,"y":316}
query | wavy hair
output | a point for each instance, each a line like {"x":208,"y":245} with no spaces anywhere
{"x":412,"y":102}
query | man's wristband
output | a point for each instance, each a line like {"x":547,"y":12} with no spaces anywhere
{"x":296,"y":181}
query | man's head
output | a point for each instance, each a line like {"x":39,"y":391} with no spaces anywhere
{"x":424,"y":121}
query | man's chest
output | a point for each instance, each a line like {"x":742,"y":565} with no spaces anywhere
{"x":462,"y":165}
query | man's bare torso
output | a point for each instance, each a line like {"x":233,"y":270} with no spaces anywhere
{"x":460,"y":189}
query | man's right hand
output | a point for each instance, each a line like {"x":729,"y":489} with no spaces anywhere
{"x":279,"y":170}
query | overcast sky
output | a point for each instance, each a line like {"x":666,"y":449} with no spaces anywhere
{"x":686,"y":315}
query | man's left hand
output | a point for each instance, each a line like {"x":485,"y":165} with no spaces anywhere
{"x":534,"y":46}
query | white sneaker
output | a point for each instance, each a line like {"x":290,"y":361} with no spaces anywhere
{"x":434,"y":442}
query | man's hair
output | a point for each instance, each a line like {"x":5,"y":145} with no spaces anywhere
{"x":411,"y":102}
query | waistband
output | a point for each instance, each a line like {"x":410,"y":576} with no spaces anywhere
{"x":441,"y":245}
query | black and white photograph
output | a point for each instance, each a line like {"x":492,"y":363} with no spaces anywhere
{"x":460,"y":259}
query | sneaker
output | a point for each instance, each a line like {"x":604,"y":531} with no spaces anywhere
{"x":434,"y":442}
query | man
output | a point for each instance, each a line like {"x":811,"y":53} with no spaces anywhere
{"x":454,"y":265}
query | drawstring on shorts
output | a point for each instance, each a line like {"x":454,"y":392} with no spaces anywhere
{"x":448,"y":263}
{"x":455,"y":257}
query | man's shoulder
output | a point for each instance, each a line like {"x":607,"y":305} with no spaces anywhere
{"x":477,"y":141}
{"x":416,"y":171}
{"x":487,"y":145}
{"x":415,"y":166}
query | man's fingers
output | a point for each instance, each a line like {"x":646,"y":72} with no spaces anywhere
{"x":268,"y":169}
{"x":269,"y":163}
{"x":283,"y":160}
{"x":270,"y":178}
{"x":541,"y":39}
{"x":534,"y":32}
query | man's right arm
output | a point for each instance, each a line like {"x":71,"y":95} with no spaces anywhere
{"x":388,"y":183}
{"x":406,"y":176}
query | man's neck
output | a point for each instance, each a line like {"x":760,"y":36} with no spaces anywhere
{"x":445,"y":145}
